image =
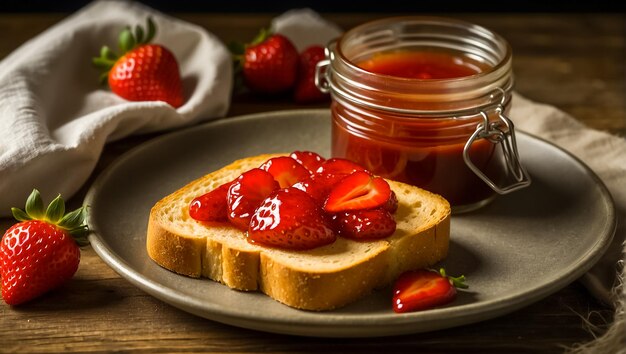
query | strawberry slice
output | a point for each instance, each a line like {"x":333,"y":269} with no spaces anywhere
{"x":290,"y":219}
{"x":336,"y":166}
{"x":319,"y":186}
{"x":423,"y":289}
{"x":310,"y":160}
{"x":360,"y":190}
{"x":211,"y":206}
{"x":392,"y":203}
{"x":365,"y":224}
{"x":246,"y":193}
{"x":285,"y":170}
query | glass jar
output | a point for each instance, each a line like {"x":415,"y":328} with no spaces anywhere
{"x":441,"y":134}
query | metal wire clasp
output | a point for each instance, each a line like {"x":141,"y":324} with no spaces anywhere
{"x":321,"y":78}
{"x":502,"y":133}
{"x":321,"y":69}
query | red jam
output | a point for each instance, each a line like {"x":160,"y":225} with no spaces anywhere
{"x":425,"y":65}
{"x":422,"y":151}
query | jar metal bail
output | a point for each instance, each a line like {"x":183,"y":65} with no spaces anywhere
{"x":505,"y":138}
{"x":321,"y":69}
{"x":321,"y":76}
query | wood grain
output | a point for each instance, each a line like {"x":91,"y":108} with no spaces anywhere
{"x":575,"y":62}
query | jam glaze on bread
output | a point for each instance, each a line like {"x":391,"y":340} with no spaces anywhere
{"x":319,"y":279}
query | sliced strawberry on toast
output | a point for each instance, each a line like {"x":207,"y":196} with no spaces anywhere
{"x":360,"y":190}
{"x":369,"y":224}
{"x":286,"y":171}
{"x":338,"y":166}
{"x":310,"y":160}
{"x":290,"y":219}
{"x":246,"y":193}
{"x":319,"y":186}
{"x":211,"y":206}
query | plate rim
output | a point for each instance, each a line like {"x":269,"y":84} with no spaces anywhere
{"x":331,"y":327}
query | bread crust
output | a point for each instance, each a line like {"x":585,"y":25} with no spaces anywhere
{"x":242,"y":266}
{"x":311,"y":290}
{"x":173,"y":251}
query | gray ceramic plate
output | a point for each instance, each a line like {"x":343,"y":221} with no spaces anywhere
{"x":517,"y":250}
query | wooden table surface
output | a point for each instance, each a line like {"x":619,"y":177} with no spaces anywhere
{"x":573,"y":61}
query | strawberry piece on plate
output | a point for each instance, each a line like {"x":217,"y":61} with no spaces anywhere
{"x":211,"y":206}
{"x":290,"y":219}
{"x":310,"y":160}
{"x":360,"y":190}
{"x":365,"y":224}
{"x":246,"y":193}
{"x":286,"y":171}
{"x":423,"y":289}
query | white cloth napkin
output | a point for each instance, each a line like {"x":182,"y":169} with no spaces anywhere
{"x":55,"y":117}
{"x":305,"y":27}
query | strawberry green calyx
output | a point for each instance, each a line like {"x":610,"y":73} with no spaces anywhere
{"x":127,"y":41}
{"x":457,"y":282}
{"x":72,"y":222}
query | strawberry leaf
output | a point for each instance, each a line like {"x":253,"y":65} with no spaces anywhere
{"x":34,"y":205}
{"x":126,"y":40}
{"x":139,"y":34}
{"x":19,"y":214}
{"x":457,"y":282}
{"x":261,"y":37}
{"x":102,"y":63}
{"x":55,"y":210}
{"x":236,"y":48}
{"x":103,"y":78}
{"x":73,"y":219}
{"x":80,"y":235}
{"x":151,"y":31}
{"x":107,"y":53}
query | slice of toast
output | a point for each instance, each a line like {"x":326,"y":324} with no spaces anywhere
{"x":323,"y":278}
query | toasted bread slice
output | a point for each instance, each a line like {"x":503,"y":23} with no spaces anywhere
{"x":323,"y":278}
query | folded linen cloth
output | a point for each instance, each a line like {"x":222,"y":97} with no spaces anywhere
{"x":55,"y":117}
{"x":605,"y":154}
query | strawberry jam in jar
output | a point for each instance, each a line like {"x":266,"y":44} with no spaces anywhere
{"x":424,"y":101}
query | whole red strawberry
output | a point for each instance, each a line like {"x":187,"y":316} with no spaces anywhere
{"x":144,"y":72}
{"x":39,"y":253}
{"x":305,"y":90}
{"x":269,"y":64}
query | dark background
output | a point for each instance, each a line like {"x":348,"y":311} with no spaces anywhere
{"x":381,"y":6}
